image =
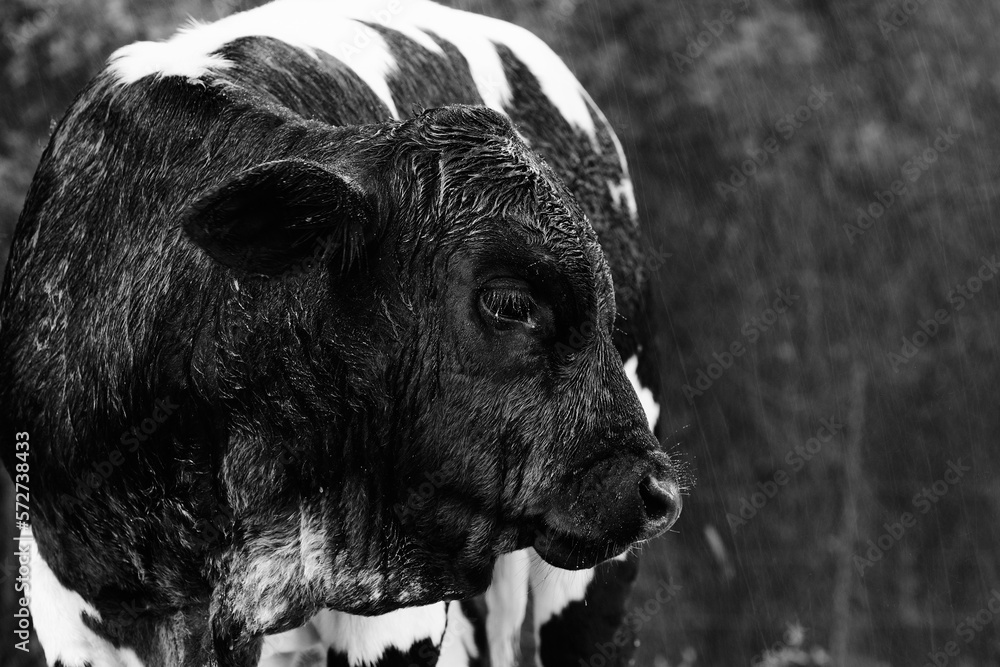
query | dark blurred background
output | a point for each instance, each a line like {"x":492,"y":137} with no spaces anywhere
{"x":836,"y":156}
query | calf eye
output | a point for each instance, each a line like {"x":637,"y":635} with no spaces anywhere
{"x":507,"y":306}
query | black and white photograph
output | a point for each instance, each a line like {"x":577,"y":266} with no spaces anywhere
{"x":482,"y":333}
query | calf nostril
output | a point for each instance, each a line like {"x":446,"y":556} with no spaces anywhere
{"x":661,"y":500}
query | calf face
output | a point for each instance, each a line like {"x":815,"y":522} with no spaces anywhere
{"x":464,"y":312}
{"x":529,"y":396}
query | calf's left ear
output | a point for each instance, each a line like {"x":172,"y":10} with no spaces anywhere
{"x":275,"y":215}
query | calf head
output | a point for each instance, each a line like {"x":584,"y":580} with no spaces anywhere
{"x":446,"y":385}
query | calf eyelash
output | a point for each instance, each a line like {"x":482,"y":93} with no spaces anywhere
{"x":508,"y":306}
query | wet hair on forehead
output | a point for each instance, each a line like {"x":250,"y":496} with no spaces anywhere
{"x":457,"y":125}
{"x":519,"y":192}
{"x":467,"y":159}
{"x":468,"y":165}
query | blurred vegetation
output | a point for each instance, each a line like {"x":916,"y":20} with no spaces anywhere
{"x":696,"y":88}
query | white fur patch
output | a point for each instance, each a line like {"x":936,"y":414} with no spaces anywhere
{"x":365,"y":638}
{"x":299,"y":647}
{"x":57,"y":614}
{"x":307,"y":24}
{"x":472,"y":34}
{"x":506,"y":602}
{"x":459,"y":645}
{"x":361,"y":637}
{"x":623,"y":195}
{"x":553,"y":589}
{"x":312,"y":549}
{"x":337,"y":29}
{"x":649,"y":404}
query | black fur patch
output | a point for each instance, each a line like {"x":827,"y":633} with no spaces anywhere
{"x":476,"y":612}
{"x":423,"y":79}
{"x":323,"y":89}
{"x":593,"y":626}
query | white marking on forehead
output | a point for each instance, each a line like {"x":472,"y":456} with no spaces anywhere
{"x":365,"y":638}
{"x":475,"y":36}
{"x":57,"y":614}
{"x":649,"y":404}
{"x":554,"y":589}
{"x":308,"y":24}
{"x":337,"y":28}
{"x":506,"y":602}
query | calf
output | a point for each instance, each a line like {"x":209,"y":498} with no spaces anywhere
{"x":257,"y":296}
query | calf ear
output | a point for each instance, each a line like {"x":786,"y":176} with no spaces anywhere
{"x":276,"y":215}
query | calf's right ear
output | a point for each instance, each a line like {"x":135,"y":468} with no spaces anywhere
{"x":275,"y":215}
